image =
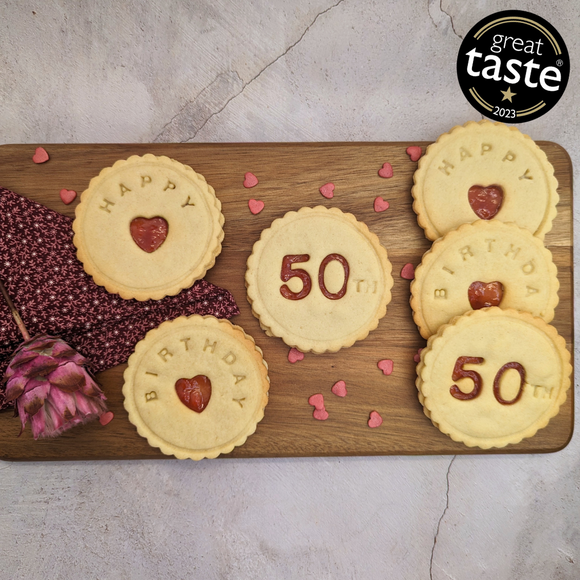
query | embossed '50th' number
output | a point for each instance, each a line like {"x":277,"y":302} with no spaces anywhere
{"x":287,"y":273}
{"x":460,"y":373}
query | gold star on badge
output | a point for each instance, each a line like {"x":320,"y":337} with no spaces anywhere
{"x":508,"y":94}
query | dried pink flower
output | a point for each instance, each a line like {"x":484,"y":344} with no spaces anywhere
{"x":50,"y":384}
{"x":51,"y":387}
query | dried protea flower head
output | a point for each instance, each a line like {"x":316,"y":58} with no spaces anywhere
{"x":49,"y":383}
{"x":51,"y":386}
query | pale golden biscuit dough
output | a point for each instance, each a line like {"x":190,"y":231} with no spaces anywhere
{"x":333,"y":242}
{"x":148,"y":187}
{"x":497,"y":337}
{"x":182,"y":349}
{"x":485,"y":154}
{"x":485,"y":251}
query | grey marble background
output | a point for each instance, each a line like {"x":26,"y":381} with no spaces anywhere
{"x":309,"y":70}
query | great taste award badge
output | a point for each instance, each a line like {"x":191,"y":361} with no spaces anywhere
{"x":513,"y":66}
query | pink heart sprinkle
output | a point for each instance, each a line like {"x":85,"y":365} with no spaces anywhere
{"x":67,"y":195}
{"x":414,"y":152}
{"x":408,"y":272}
{"x":327,"y":190}
{"x":250,"y":180}
{"x":256,"y":206}
{"x":386,"y":365}
{"x":320,"y":414}
{"x":106,"y":418}
{"x":381,"y":204}
{"x":386,"y":170}
{"x":40,"y":155}
{"x":417,"y":357}
{"x":294,"y":355}
{"x":339,"y":389}
{"x":375,"y":420}
{"x":317,"y":401}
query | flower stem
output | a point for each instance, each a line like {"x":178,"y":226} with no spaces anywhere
{"x":14,"y":312}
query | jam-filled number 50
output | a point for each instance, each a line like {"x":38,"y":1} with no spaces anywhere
{"x":460,"y":373}
{"x":287,"y":273}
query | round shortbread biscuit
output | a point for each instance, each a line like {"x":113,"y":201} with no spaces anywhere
{"x":485,"y":156}
{"x":157,"y":391}
{"x":148,"y":189}
{"x":318,"y":279}
{"x":493,"y":377}
{"x":487,"y":253}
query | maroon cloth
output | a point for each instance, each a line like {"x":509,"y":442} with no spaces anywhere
{"x":53,"y":294}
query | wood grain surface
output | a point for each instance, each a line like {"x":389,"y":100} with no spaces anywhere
{"x":290,"y":175}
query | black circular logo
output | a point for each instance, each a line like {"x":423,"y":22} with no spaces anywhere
{"x":513,"y":66}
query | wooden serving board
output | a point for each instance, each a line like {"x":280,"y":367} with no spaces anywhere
{"x":290,"y":175}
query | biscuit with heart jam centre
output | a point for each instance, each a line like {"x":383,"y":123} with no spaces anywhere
{"x":148,"y":227}
{"x":484,"y":170}
{"x":196,"y":387}
{"x":503,"y":260}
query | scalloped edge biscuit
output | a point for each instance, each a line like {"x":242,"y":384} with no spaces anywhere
{"x":269,"y":324}
{"x":442,"y":244}
{"x":179,"y":324}
{"x":435,"y":344}
{"x":432,"y":232}
{"x":207,"y":261}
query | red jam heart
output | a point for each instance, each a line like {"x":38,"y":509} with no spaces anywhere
{"x":149,"y":233}
{"x":482,"y":295}
{"x":194,"y":393}
{"x":485,"y":201}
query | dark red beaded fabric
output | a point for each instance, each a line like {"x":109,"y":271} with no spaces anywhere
{"x":53,"y":294}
